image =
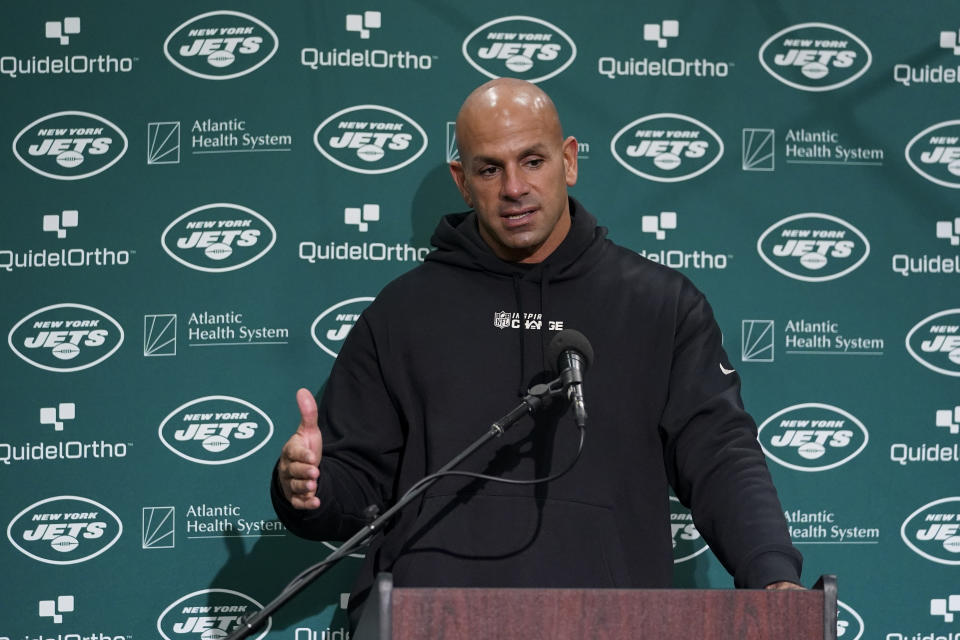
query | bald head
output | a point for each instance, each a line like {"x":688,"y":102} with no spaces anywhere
{"x":504,"y":102}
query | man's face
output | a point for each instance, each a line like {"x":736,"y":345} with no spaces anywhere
{"x":514,"y":170}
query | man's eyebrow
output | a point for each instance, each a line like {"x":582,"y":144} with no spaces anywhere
{"x":537,"y":149}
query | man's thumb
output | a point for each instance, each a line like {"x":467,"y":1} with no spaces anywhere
{"x":308,"y":413}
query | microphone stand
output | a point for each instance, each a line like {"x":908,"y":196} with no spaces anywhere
{"x":538,"y":396}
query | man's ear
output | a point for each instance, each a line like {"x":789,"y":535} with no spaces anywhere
{"x":456,"y":170}
{"x":570,"y":149}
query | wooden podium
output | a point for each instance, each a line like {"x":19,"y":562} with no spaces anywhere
{"x":599,"y":614}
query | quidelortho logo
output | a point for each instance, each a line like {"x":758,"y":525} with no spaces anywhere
{"x":208,"y":614}
{"x":812,"y":437}
{"x":925,"y":264}
{"x":947,"y":423}
{"x":934,"y":153}
{"x":667,"y":147}
{"x":687,"y":541}
{"x":69,"y":145}
{"x":933,"y":531}
{"x":220,"y":45}
{"x":519,"y":47}
{"x":218,"y":237}
{"x":946,"y":72}
{"x":370,"y":139}
{"x":934,"y":342}
{"x":815,"y":56}
{"x":331,"y":327}
{"x":64,"y":530}
{"x":60,"y":55}
{"x":215,"y":430}
{"x":813,"y":247}
{"x":65,"y":337}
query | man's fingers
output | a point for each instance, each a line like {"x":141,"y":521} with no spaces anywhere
{"x":298,"y":450}
{"x":304,"y":503}
{"x":308,"y":412}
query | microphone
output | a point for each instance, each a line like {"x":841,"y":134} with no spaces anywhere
{"x":571,"y":352}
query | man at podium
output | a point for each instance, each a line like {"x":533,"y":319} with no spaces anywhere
{"x":448,"y":346}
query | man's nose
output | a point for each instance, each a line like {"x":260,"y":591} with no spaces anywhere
{"x":514,"y":183}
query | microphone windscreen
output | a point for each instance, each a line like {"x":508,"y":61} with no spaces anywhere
{"x":569,"y":339}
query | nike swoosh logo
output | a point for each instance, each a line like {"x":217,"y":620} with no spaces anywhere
{"x":726,"y":372}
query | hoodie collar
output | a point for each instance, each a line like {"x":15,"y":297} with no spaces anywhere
{"x":458,"y":242}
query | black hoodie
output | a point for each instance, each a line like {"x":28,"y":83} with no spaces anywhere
{"x":440,"y":355}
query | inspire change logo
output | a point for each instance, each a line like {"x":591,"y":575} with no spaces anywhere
{"x":934,"y":153}
{"x":64,"y":530}
{"x":218,"y":237}
{"x":667,"y":147}
{"x":815,"y":56}
{"x":934,"y":342}
{"x":519,"y":47}
{"x":933,"y":531}
{"x":370,"y":139}
{"x":65,"y":337}
{"x":331,"y":327}
{"x":208,"y":615}
{"x":813,"y":247}
{"x":812,"y":437}
{"x":220,"y":45}
{"x":69,"y":145}
{"x":215,"y":430}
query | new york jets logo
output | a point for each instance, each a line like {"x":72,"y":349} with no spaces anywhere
{"x":933,"y":531}
{"x":220,"y":45}
{"x":934,"y":342}
{"x":934,"y":153}
{"x":370,"y":139}
{"x":208,"y":614}
{"x":69,"y":145}
{"x":218,"y":237}
{"x":813,"y":247}
{"x":667,"y":147}
{"x":65,"y":337}
{"x":331,"y":327}
{"x":815,"y":56}
{"x":812,"y":437}
{"x":64,"y":530}
{"x":215,"y":430}
{"x":519,"y":47}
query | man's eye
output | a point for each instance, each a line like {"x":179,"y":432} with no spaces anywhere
{"x":534,"y":162}
{"x":488,"y":171}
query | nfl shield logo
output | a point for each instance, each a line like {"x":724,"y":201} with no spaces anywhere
{"x":501,"y":319}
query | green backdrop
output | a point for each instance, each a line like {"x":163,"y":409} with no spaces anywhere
{"x":199,"y":199}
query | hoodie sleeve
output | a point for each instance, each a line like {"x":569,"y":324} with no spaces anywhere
{"x":362,"y":440}
{"x":714,"y":461}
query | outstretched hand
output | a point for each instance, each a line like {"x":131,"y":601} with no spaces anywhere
{"x":298,"y":471}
